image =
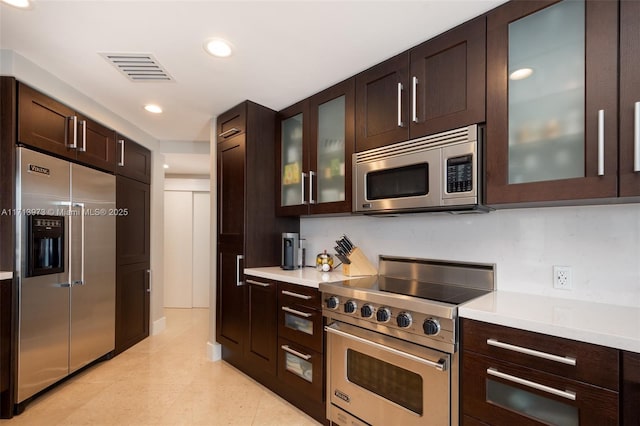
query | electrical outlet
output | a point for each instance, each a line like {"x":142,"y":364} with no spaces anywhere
{"x":562,"y":277}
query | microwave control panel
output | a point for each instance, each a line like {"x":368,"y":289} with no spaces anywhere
{"x":460,"y":174}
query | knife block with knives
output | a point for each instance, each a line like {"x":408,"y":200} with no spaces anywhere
{"x":354,"y":262}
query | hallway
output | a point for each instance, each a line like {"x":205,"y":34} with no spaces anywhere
{"x":163,"y":380}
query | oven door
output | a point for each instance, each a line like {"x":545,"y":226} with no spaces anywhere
{"x":377,"y":379}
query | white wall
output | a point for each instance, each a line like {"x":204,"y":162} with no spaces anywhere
{"x":600,"y":243}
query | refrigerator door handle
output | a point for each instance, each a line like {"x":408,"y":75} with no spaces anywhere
{"x":82,"y":234}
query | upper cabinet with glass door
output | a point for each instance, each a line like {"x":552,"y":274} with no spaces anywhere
{"x":552,"y":101}
{"x":629,"y":166}
{"x":316,"y":144}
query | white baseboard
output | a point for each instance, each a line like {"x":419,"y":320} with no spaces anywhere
{"x":158,"y":326}
{"x":214,"y":351}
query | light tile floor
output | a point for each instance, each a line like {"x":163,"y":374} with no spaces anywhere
{"x":163,"y":380}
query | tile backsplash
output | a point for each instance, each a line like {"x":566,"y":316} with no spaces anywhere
{"x":601,"y":244}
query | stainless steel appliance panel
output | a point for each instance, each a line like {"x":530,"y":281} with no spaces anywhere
{"x":92,"y":324}
{"x":383,"y":380}
{"x":66,"y":319}
{"x":43,"y":340}
{"x":440,"y":172}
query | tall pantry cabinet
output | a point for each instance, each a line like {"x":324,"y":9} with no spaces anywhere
{"x":133,"y":233}
{"x":248,"y":231}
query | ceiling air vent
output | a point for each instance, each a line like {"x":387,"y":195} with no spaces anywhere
{"x":138,"y":67}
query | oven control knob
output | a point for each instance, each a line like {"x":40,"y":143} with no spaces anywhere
{"x":431,"y":327}
{"x":366,"y":311}
{"x":350,"y":307}
{"x":404,"y":320}
{"x":332,"y":302}
{"x":383,"y":315}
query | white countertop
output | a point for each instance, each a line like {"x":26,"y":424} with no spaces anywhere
{"x":306,"y":276}
{"x":4,"y":275}
{"x":602,"y":324}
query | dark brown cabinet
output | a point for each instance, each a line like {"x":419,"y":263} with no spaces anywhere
{"x":97,"y":144}
{"x":133,"y":231}
{"x":629,"y":163}
{"x":436,"y":86}
{"x":133,"y":234}
{"x":51,"y":126}
{"x":315,"y":142}
{"x":552,"y":133}
{"x":301,"y":342}
{"x":512,"y":376}
{"x":132,"y":304}
{"x":282,"y":341}
{"x":45,"y":123}
{"x":630,"y":388}
{"x":248,"y":235}
{"x":232,"y":122}
{"x":133,"y":160}
{"x":262,"y":324}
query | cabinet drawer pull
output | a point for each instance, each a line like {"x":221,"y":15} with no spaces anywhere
{"x":239,"y":281}
{"x":232,"y":131}
{"x":293,"y":311}
{"x":296,"y":353}
{"x":564,"y":394}
{"x":400,"y":123}
{"x":636,"y":138}
{"x":258,"y":283}
{"x":414,"y":98}
{"x":601,"y":142}
{"x":532,"y":352}
{"x":298,"y":295}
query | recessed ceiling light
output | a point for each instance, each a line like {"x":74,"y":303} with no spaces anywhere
{"x":218,"y":47}
{"x":22,"y":4}
{"x":166,"y":166}
{"x":153,"y":108}
{"x":521,"y":74}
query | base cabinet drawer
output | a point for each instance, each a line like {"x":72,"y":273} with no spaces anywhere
{"x":300,"y":368}
{"x":584,"y":362}
{"x":501,"y":393}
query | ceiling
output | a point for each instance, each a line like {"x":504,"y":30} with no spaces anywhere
{"x":284,"y":51}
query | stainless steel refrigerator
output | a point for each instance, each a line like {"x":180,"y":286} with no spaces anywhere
{"x":65,"y":222}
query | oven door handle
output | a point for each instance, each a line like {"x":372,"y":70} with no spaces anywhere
{"x":440,"y":365}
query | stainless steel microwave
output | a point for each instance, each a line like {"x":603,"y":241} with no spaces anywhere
{"x":440,"y":172}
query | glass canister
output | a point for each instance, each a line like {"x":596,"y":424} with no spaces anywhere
{"x":324,"y":262}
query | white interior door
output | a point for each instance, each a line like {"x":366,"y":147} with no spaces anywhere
{"x":178,"y":249}
{"x":201,"y":249}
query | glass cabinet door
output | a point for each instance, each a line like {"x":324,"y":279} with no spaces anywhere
{"x":546,"y":89}
{"x":552,"y":81}
{"x":331,"y":153}
{"x":292,"y":173}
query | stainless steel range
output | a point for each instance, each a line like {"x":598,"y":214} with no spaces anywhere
{"x":392,"y":341}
